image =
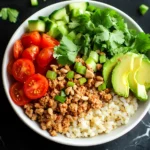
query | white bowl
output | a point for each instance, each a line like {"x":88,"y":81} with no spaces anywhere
{"x":141,"y":112}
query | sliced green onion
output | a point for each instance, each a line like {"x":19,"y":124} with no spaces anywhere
{"x":90,"y":62}
{"x":61,"y":99}
{"x":94,"y":55}
{"x":62,"y":93}
{"x":82,"y":81}
{"x":70,"y":74}
{"x":51,"y":75}
{"x":34,"y":2}
{"x":70,"y":83}
{"x":81,"y":70}
{"x":102,"y":58}
{"x":77,"y":64}
{"x":143,"y":9}
{"x":102,"y":87}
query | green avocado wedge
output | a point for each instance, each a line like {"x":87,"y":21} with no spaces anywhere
{"x":138,"y":89}
{"x":108,"y":67}
{"x":120,"y":74}
{"x":143,"y":73}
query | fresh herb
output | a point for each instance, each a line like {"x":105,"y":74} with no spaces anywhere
{"x":10,"y":14}
{"x":66,"y":52}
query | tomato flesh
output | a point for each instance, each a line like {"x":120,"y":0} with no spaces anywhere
{"x":35,"y":86}
{"x":44,"y":57}
{"x":9,"y":66}
{"x":48,"y":41}
{"x":17,"y":94}
{"x":17,"y":49}
{"x":22,"y":69}
{"x":31,"y":38}
{"x":31,"y":52}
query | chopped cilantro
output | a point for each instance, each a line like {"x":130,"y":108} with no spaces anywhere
{"x":10,"y":14}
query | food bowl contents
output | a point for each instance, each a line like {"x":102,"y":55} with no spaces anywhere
{"x":80,"y":71}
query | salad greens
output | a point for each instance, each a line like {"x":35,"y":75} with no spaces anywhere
{"x":106,"y":30}
{"x":82,"y":28}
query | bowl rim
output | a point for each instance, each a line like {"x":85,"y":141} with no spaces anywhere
{"x":12,"y":104}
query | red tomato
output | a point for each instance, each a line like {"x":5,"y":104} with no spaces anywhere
{"x":44,"y":57}
{"x":41,"y":70}
{"x":36,"y":86}
{"x":31,"y":52}
{"x":17,"y":49}
{"x":31,"y":38}
{"x":17,"y":94}
{"x":48,"y":41}
{"x":9,"y":66}
{"x":22,"y":69}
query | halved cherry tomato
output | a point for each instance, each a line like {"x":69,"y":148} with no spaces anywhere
{"x":36,"y":86}
{"x":48,"y":41}
{"x":31,"y":38}
{"x":41,"y":70}
{"x":44,"y":57}
{"x":22,"y":69}
{"x":17,"y":94}
{"x":31,"y":52}
{"x":17,"y":49}
{"x":9,"y":66}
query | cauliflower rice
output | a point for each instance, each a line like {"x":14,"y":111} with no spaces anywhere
{"x":113,"y":114}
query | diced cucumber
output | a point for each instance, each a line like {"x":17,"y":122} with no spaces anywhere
{"x":36,"y":25}
{"x":94,"y":55}
{"x":72,"y":35}
{"x":51,"y":28}
{"x":77,"y":64}
{"x":58,"y":14}
{"x":91,"y":63}
{"x":63,"y":29}
{"x":34,"y":2}
{"x":60,"y":23}
{"x":81,"y":70}
{"x":76,"y":12}
{"x":80,"y":5}
{"x":43,"y":18}
{"x":91,"y":8}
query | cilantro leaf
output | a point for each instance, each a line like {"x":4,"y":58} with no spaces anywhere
{"x":4,"y":13}
{"x":142,"y":42}
{"x":66,"y":52}
{"x":12,"y":14}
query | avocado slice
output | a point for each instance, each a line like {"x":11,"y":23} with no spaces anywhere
{"x":120,"y":74}
{"x":108,"y":67}
{"x":143,"y":73}
{"x":138,"y":89}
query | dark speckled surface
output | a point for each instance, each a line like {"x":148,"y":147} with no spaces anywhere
{"x":15,"y":135}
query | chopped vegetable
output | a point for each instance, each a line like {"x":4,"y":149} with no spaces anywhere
{"x":70,"y":83}
{"x":10,"y":14}
{"x":62,"y":93}
{"x":91,"y":63}
{"x":82,"y":81}
{"x":34,"y":2}
{"x":143,"y":9}
{"x":61,"y":99}
{"x":102,"y":58}
{"x":51,"y":75}
{"x":94,"y":55}
{"x":102,"y":87}
{"x":70,"y":74}
{"x":81,"y":69}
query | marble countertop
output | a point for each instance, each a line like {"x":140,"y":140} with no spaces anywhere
{"x":14,"y":134}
